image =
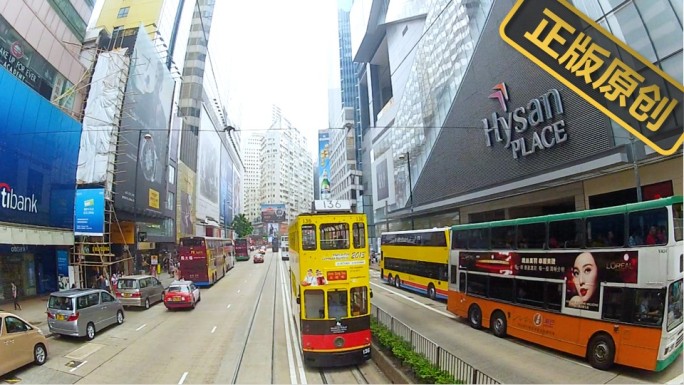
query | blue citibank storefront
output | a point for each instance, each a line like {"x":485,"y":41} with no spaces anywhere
{"x":38,"y":156}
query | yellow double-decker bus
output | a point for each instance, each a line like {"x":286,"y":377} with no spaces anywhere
{"x":330,"y":284}
{"x":417,"y":260}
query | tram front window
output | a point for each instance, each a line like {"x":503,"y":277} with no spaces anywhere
{"x":313,"y":304}
{"x":337,"y":304}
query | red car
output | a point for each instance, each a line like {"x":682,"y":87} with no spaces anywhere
{"x":258,"y":258}
{"x":181,"y":294}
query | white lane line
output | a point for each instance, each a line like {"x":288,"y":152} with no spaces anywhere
{"x":238,"y":291}
{"x":295,"y":333}
{"x":288,"y":347}
{"x":228,"y":307}
{"x":79,"y":365}
{"x":183,"y":378}
{"x":213,"y":330}
{"x":143,"y":325}
{"x":381,"y":286}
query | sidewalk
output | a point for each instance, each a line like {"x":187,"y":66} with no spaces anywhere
{"x":33,"y":308}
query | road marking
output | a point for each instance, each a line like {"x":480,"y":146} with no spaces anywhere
{"x":214,"y":329}
{"x":291,"y":323}
{"x":228,"y":307}
{"x":238,"y":291}
{"x":143,"y":325}
{"x":79,"y":365}
{"x":185,"y":374}
{"x":286,"y":321}
{"x":414,"y":301}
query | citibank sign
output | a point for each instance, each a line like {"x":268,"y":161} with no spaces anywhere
{"x":510,"y":128}
{"x":10,"y":200}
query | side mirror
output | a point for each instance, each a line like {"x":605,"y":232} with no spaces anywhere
{"x":371,"y":293}
{"x":298,"y":301}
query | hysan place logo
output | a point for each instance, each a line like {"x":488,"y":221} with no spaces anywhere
{"x":12,"y":201}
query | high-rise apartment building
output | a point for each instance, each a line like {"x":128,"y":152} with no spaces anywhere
{"x":286,"y":168}
{"x":252,"y":180}
{"x":40,"y":111}
{"x":435,"y":158}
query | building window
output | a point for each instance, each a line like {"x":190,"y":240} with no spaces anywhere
{"x":123,"y":12}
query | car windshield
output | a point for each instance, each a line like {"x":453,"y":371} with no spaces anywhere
{"x":127,"y":284}
{"x":179,"y":289}
{"x":60,"y":303}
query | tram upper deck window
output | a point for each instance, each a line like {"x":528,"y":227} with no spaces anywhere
{"x":478,"y":239}
{"x":309,"y":237}
{"x":359,"y":235}
{"x":531,"y":236}
{"x":648,"y":227}
{"x":678,"y":222}
{"x":503,"y":237}
{"x":567,"y":234}
{"x":606,"y":231}
{"x":334,"y":236}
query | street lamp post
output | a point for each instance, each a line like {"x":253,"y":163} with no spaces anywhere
{"x":407,"y":156}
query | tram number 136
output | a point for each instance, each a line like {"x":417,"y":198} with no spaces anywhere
{"x":328,"y":204}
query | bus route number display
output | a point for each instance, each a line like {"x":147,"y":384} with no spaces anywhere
{"x":332,"y":205}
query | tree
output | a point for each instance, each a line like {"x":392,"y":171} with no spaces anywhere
{"x":242,"y":226}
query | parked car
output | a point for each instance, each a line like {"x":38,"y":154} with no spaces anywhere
{"x":22,"y":343}
{"x":262,"y":250}
{"x":139,"y":290}
{"x":83,"y":312}
{"x":258,"y":258}
{"x":181,"y":294}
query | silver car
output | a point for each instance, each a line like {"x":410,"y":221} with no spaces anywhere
{"x":139,"y":290}
{"x":82,"y":312}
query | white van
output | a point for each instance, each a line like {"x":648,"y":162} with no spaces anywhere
{"x":284,"y":248}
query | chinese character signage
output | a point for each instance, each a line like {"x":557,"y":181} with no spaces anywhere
{"x":597,"y":66}
{"x":89,"y":212}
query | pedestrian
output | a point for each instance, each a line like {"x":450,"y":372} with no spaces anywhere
{"x":15,"y":296}
{"x":115,"y":280}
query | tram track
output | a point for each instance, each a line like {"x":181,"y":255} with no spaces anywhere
{"x":343,"y":375}
{"x":250,"y":329}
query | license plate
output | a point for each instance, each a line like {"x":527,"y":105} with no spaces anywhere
{"x":176,"y":299}
{"x":127,"y":295}
{"x":60,"y":317}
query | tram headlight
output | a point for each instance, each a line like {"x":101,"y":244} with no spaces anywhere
{"x":339,"y":342}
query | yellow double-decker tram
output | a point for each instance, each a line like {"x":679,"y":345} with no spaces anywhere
{"x":330,"y":284}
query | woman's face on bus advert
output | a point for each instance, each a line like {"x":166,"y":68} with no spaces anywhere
{"x":584,"y":275}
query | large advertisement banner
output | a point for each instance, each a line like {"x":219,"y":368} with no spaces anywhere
{"x":583,"y":271}
{"x":324,"y":164}
{"x":186,"y":184}
{"x":208,"y":172}
{"x":101,"y":118}
{"x":144,"y":138}
{"x":38,"y":157}
{"x":273,"y":213}
{"x":89,"y":212}
{"x":237,"y":198}
{"x":226,"y":188}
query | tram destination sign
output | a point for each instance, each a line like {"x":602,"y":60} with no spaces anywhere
{"x":597,"y":66}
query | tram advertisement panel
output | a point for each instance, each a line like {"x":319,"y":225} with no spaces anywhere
{"x":583,"y":271}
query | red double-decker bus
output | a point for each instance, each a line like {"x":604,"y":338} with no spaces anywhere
{"x":242,"y":249}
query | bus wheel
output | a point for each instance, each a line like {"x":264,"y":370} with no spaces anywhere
{"x":397,"y":282}
{"x":601,"y":352}
{"x":475,"y":317}
{"x":498,"y":324}
{"x":390,"y":279}
{"x":432,"y":293}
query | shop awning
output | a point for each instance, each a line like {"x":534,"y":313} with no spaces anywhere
{"x":17,"y":235}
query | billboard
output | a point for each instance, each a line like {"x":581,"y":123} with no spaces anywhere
{"x":144,"y":138}
{"x":89,"y":212}
{"x":583,"y":271}
{"x":100,"y":120}
{"x":39,"y":152}
{"x":226,"y":188}
{"x":324,"y":164}
{"x":186,"y":213}
{"x":208,"y":162}
{"x":236,"y":191}
{"x":273,"y":213}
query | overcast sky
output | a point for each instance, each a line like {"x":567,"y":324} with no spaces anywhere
{"x":277,"y":52}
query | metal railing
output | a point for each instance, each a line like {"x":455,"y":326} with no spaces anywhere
{"x":437,"y":355}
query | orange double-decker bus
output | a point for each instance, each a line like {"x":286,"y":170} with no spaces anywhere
{"x":330,"y":280}
{"x":605,"y":284}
